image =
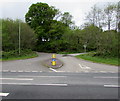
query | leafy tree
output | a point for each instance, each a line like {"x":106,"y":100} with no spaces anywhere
{"x":108,"y":43}
{"x":67,"y":19}
{"x":90,"y":37}
{"x":40,"y":14}
{"x":40,"y":17}
{"x":10,"y":35}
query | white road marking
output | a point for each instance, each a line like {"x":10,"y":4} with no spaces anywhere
{"x":111,"y":85}
{"x":16,"y":79}
{"x":15,"y":83}
{"x":35,"y":84}
{"x":52,"y":84}
{"x":80,"y":66}
{"x":106,"y":77}
{"x":42,"y":76}
{"x":20,"y":71}
{"x":5,"y":70}
{"x":103,"y":71}
{"x":34,"y":71}
{"x":88,"y":68}
{"x":53,"y":69}
{"x":4,"y":94}
{"x":84,"y":67}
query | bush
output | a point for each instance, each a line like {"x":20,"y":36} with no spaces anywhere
{"x":15,"y":53}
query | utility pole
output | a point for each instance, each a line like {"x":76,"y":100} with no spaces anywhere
{"x":19,"y":36}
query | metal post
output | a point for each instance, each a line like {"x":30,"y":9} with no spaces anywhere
{"x":85,"y":46}
{"x":19,"y":37}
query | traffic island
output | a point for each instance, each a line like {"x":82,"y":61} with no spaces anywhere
{"x":48,"y":63}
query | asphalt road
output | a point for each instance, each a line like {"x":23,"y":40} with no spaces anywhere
{"x":71,"y":64}
{"x":60,"y":85}
{"x":77,"y":79}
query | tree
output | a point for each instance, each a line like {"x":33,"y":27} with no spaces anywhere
{"x":95,"y":17}
{"x":45,"y":20}
{"x":91,"y":37}
{"x":40,"y":14}
{"x":67,"y":19}
{"x":40,"y":17}
{"x":10,"y":38}
{"x":109,"y":11}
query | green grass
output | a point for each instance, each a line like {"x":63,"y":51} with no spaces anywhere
{"x":32,"y":55}
{"x":98,"y":59}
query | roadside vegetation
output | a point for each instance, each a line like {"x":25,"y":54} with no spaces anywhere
{"x":10,"y":40}
{"x":99,"y":59}
{"x":47,"y":29}
{"x":13,"y":55}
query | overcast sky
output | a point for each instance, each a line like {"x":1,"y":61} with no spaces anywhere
{"x":16,"y":9}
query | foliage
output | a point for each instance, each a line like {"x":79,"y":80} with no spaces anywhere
{"x":41,"y":17}
{"x":10,"y":35}
{"x":67,"y":19}
{"x":14,"y":53}
{"x":56,"y":32}
{"x":99,"y":59}
{"x":108,"y":44}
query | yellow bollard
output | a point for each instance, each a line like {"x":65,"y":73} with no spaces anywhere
{"x":53,"y":56}
{"x":53,"y":60}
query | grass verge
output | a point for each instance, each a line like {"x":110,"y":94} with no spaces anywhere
{"x":24,"y":56}
{"x":98,"y":59}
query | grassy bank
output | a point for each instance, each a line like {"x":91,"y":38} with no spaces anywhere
{"x":98,"y":59}
{"x":13,"y":55}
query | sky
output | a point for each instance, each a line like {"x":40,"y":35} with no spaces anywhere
{"x":16,"y":9}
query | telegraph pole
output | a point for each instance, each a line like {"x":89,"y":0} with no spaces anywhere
{"x":19,"y":36}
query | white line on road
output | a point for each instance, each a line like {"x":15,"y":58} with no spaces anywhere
{"x":15,"y":79}
{"x":53,"y":69}
{"x":106,"y":77}
{"x":34,"y":71}
{"x":35,"y":84}
{"x":52,"y":84}
{"x":15,"y":83}
{"x":88,"y":68}
{"x":4,"y":94}
{"x":80,"y":66}
{"x":111,"y":85}
{"x":103,"y":71}
{"x":5,"y":70}
{"x":20,"y":71}
{"x":42,"y":76}
{"x":84,"y":67}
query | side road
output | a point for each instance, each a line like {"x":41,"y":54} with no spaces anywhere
{"x":71,"y":64}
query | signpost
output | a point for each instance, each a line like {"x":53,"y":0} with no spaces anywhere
{"x":85,"y":47}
